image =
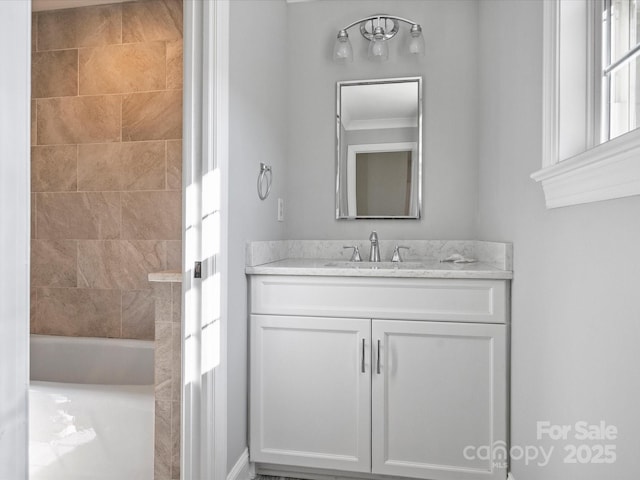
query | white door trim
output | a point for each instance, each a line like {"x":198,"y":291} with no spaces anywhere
{"x":205,"y":158}
{"x":15,"y":86}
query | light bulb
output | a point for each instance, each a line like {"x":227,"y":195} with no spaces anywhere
{"x":416,"y":43}
{"x":342,"y":51}
{"x":378,"y":48}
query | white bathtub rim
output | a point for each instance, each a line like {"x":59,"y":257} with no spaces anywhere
{"x":124,"y":342}
{"x":91,"y":360}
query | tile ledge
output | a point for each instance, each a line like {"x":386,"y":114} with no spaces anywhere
{"x":174,"y":276}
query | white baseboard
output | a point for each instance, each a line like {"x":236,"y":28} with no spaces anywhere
{"x":240,"y":470}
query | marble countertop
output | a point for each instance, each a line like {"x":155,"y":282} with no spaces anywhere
{"x":168,"y":276}
{"x":406,"y":269}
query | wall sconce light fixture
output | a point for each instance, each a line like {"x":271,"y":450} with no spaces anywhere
{"x":377,"y":29}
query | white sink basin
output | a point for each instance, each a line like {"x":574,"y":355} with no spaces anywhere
{"x":377,"y":265}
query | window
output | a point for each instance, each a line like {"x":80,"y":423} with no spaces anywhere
{"x":591,"y":101}
{"x":621,"y":71}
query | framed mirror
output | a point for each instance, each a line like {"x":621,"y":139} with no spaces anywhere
{"x":379,"y":149}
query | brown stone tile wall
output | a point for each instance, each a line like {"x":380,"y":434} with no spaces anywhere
{"x":106,"y":165}
{"x":168,"y":298}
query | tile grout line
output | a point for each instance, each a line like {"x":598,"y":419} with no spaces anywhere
{"x":34,"y":321}
{"x":120,"y":236}
{"x":34,"y":26}
{"x":109,"y":94}
{"x":77,"y":72}
{"x":77,"y":242}
{"x":121,"y":116}
{"x":77,"y":167}
{"x":35,"y":215}
{"x":171,"y":432}
{"x":121,"y":314}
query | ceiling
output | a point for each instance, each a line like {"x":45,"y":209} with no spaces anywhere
{"x":40,"y":5}
{"x":375,"y":106}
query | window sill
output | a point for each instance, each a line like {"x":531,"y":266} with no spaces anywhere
{"x":610,"y":170}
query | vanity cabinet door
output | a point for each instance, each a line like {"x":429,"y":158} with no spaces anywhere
{"x":438,"y":393}
{"x":310,"y":384}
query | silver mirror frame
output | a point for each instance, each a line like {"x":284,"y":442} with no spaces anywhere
{"x":339,"y":85}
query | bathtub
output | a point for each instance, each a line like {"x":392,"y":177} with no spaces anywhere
{"x":91,"y":409}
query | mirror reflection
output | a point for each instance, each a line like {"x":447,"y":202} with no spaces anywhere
{"x":379,"y":145}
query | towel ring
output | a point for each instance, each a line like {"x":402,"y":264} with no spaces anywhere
{"x":265,"y":174}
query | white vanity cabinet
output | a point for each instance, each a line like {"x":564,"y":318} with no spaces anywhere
{"x":310,"y":399}
{"x":395,"y":376}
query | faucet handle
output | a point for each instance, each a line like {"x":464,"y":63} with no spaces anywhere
{"x":396,"y":253}
{"x":355,"y":257}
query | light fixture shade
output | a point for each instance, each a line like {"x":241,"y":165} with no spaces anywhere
{"x":378,"y":50}
{"x":378,"y":46}
{"x":342,"y":50}
{"x":416,"y":43}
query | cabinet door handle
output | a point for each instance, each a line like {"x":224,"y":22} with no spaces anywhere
{"x":378,"y":359}
{"x":362,"y":367}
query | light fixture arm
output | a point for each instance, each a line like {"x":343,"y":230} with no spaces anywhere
{"x":378,"y":17}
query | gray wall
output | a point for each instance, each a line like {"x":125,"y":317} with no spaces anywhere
{"x":450,"y":98}
{"x":282,"y":106}
{"x":257,"y":127}
{"x":576,"y":327}
{"x":576,"y":317}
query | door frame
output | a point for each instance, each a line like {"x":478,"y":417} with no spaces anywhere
{"x":15,"y":232}
{"x":15,"y":29}
{"x":205,"y":144}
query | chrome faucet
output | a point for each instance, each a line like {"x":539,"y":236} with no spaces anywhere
{"x":355,"y":256}
{"x":396,"y":254}
{"x":374,"y":253}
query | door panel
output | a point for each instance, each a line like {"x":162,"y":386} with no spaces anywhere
{"x":310,"y":398}
{"x":441,"y":389}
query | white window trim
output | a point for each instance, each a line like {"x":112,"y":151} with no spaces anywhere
{"x":607,"y":171}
